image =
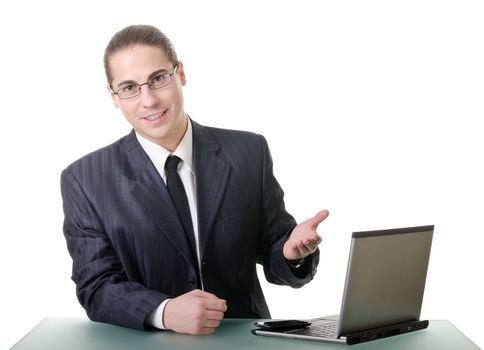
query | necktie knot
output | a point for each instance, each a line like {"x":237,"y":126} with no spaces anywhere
{"x":171,"y":164}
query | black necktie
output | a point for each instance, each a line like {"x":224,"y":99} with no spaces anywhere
{"x":179,"y":197}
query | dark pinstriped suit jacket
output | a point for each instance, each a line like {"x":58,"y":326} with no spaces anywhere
{"x":127,"y":244}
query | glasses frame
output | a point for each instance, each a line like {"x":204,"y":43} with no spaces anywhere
{"x":146,"y":83}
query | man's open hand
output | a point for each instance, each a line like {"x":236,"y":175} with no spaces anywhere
{"x":304,"y":239}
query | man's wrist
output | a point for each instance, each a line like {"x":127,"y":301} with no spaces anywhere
{"x":155,"y":318}
{"x":295,"y":264}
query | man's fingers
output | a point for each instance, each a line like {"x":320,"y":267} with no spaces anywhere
{"x":313,"y":241}
{"x":198,"y":293}
{"x":210,"y":301}
{"x":308,"y":246}
{"x":302,"y":250}
{"x":203,"y":294}
{"x":319,"y":218}
{"x":305,"y":249}
{"x":206,"y":330}
{"x":212,"y":323}
{"x":216,"y":305}
{"x":214,"y":315}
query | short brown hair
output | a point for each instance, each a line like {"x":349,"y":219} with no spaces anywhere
{"x":138,"y":34}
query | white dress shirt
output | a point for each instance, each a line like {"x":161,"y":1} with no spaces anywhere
{"x":158,"y":156}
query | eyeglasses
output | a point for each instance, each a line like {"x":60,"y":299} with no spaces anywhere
{"x":130,"y":90}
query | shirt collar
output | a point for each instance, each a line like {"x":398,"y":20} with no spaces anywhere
{"x":159,"y":154}
{"x":185,"y":148}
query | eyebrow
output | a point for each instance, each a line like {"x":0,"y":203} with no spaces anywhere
{"x":155,"y":73}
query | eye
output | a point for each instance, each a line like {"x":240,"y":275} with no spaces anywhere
{"x":161,"y":78}
{"x":127,"y":88}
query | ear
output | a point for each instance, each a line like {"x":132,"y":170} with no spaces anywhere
{"x":113,"y":97}
{"x":180,"y":71}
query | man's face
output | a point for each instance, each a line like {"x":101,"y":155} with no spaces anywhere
{"x":158,"y":114}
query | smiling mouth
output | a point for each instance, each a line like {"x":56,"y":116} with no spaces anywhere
{"x":155,"y":116}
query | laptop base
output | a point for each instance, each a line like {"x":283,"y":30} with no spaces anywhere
{"x":350,"y":339}
{"x":387,"y":331}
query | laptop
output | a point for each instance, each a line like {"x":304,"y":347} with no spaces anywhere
{"x":383,"y":292}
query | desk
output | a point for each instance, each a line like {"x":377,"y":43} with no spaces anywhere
{"x":77,"y":334}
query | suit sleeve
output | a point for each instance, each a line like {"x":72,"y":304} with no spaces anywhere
{"x":101,"y":284}
{"x":276,"y":225}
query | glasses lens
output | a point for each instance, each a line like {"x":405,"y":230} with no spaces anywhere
{"x":129,"y":91}
{"x":160,"y":80}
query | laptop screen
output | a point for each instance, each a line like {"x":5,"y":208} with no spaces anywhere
{"x":385,"y":279}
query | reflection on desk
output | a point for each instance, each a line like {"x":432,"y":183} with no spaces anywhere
{"x":233,"y":334}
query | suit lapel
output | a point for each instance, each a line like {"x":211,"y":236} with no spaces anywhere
{"x":212,"y":174}
{"x":150,"y":191}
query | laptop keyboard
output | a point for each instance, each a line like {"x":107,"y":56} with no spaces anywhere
{"x":325,"y":330}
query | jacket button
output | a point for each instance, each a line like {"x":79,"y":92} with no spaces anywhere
{"x":191,"y":280}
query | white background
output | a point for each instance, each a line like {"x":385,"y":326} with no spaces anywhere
{"x":372,"y":109}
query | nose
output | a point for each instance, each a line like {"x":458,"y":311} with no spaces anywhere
{"x":149,"y":97}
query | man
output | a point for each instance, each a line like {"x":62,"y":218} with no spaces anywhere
{"x":166,"y":225}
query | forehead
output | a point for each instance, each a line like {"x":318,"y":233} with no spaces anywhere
{"x":137,"y":62}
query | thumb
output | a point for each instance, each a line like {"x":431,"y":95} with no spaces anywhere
{"x":319,"y":218}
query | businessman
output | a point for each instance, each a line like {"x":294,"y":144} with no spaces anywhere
{"x":165,"y":226}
